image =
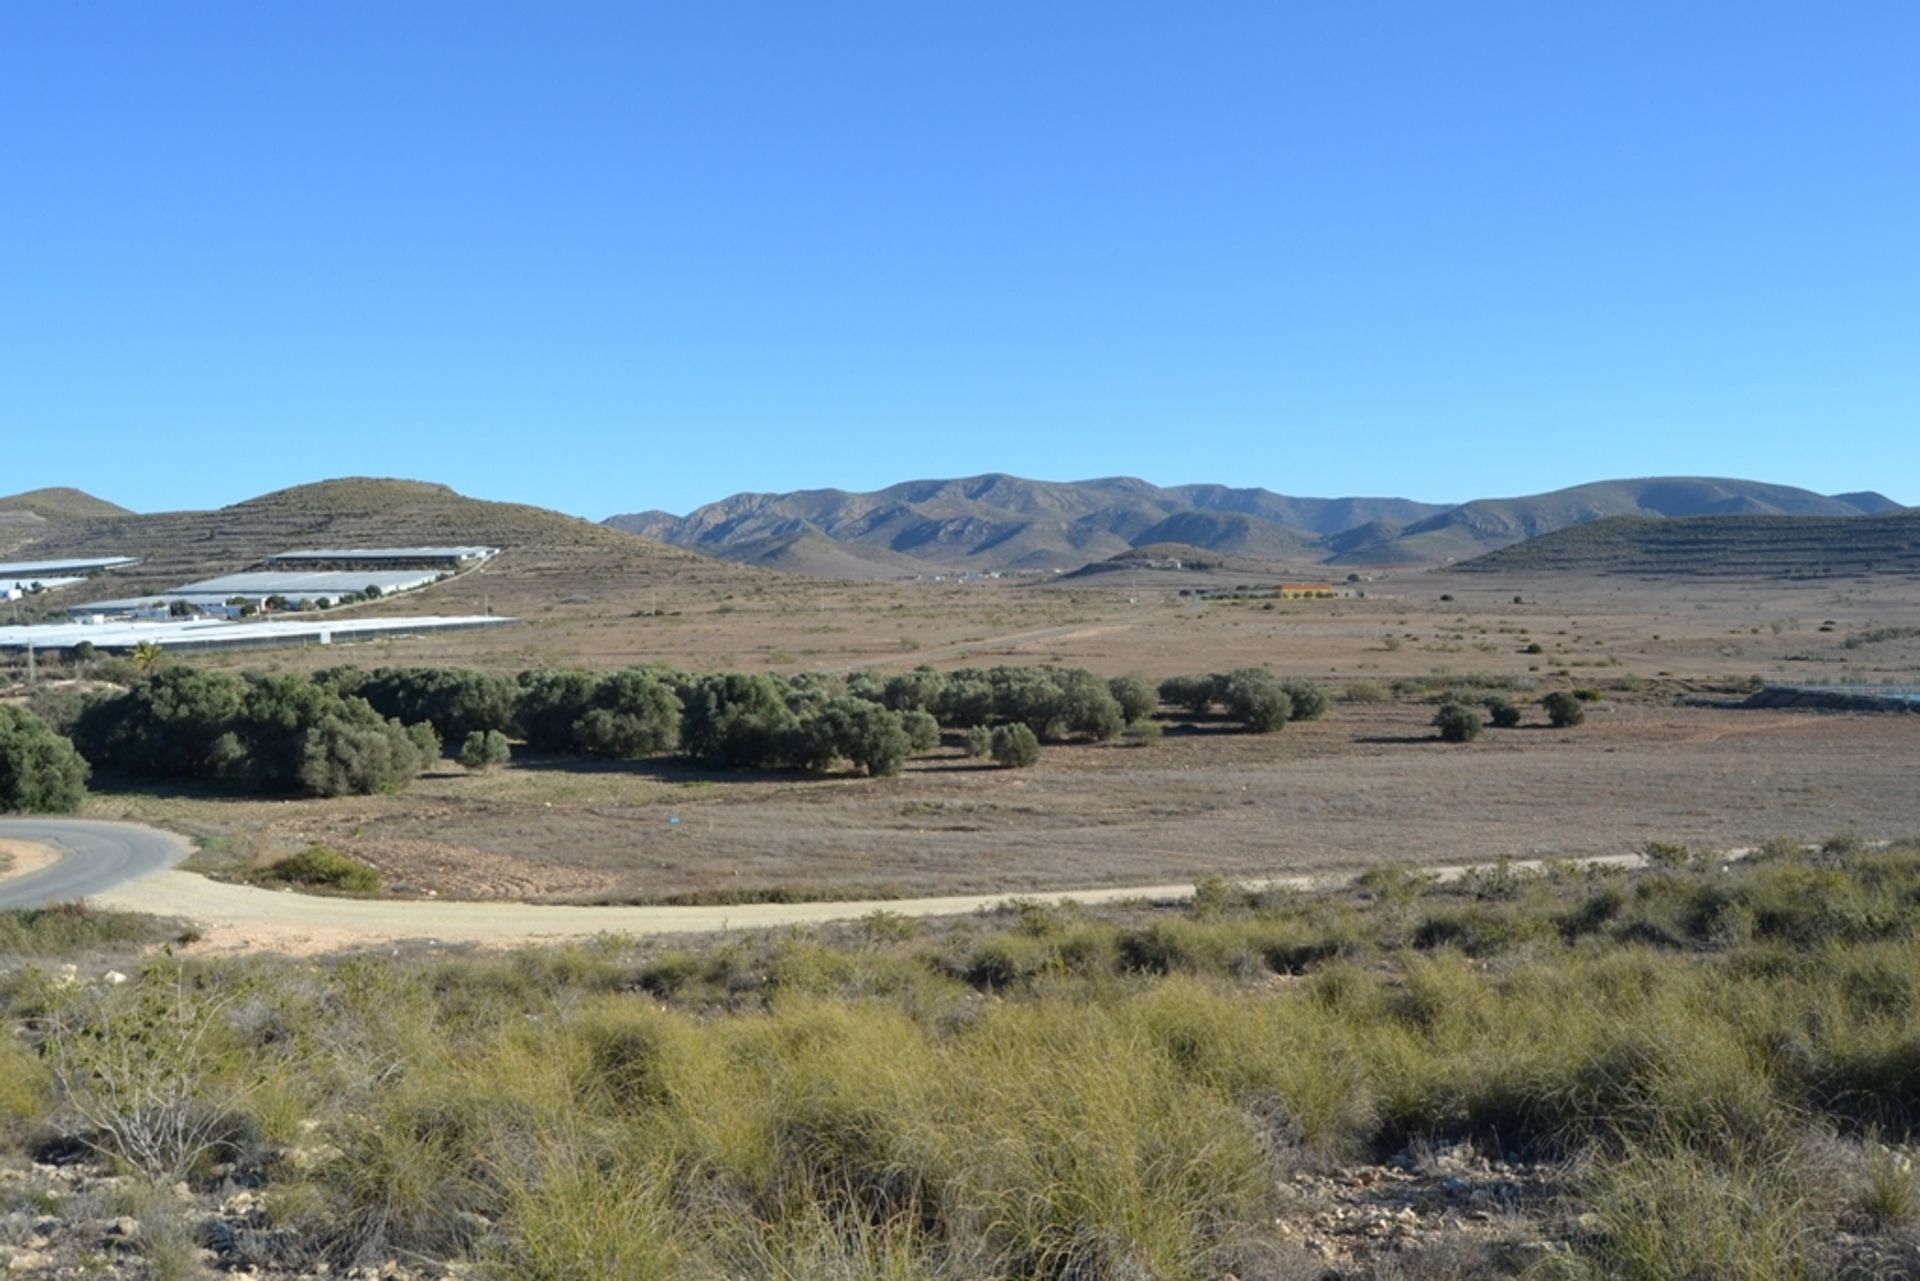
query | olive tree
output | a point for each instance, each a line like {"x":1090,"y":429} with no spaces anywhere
{"x":1457,"y":723}
{"x":484,"y":749}
{"x":1563,"y":709}
{"x":40,"y":772}
{"x":1014,"y":746}
{"x":1258,"y":700}
{"x":1137,"y":697}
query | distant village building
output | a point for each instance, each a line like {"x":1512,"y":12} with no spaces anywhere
{"x":1307,"y":591}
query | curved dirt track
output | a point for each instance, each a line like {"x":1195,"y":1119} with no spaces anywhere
{"x":246,"y":917}
{"x":129,"y":867}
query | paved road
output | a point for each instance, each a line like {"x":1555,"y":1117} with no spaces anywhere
{"x":92,"y":858}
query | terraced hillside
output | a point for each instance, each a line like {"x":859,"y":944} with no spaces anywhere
{"x":1722,"y":545}
{"x":542,"y":551}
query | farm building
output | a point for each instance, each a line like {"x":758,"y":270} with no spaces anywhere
{"x":309,"y":576}
{"x":294,"y":586}
{"x":64,"y":568}
{"x":24,"y":578}
{"x":255,"y":589}
{"x":199,"y":634}
{"x":363,"y":558}
{"x":1306,"y":591}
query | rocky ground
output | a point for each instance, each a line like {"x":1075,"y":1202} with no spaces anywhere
{"x":1427,"y":1213}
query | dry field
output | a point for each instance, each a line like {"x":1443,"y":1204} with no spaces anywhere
{"x":1366,"y":784}
{"x":705,"y":615}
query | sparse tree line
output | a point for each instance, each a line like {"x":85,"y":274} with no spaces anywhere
{"x":352,"y":731}
{"x":1459,"y":721}
{"x":735,"y":720}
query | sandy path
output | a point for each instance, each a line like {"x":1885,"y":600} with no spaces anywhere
{"x":17,"y":858}
{"x":241,"y":918}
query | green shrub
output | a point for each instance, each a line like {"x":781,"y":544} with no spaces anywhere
{"x":1257,"y":699}
{"x":867,"y":734}
{"x":1888,"y":1195}
{"x":1667,"y":854}
{"x":40,"y":772}
{"x":1137,"y":697}
{"x":484,"y":749}
{"x":979,"y":742}
{"x":919,"y":690}
{"x":1309,"y":701}
{"x":320,"y":867}
{"x":1014,"y":746}
{"x":23,"y":1086}
{"x":426,"y":741}
{"x":1194,"y":694}
{"x":1368,"y":692}
{"x":355,"y":752}
{"x":454,"y":700}
{"x":64,"y":929}
{"x":923,"y":731}
{"x":1563,"y":709}
{"x":629,"y":715}
{"x":1502,"y":713}
{"x":1457,"y":723}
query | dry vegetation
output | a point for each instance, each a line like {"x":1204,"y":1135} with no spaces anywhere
{"x":1701,"y":1070}
{"x":1704,"y":1070}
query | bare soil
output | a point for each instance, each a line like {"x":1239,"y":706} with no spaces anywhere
{"x":1368,"y":784}
{"x":17,"y":858}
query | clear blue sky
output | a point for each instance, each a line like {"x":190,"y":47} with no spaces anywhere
{"x":605,"y":257}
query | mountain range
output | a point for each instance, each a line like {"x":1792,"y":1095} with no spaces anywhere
{"x":993,"y":523}
{"x":1000,"y":523}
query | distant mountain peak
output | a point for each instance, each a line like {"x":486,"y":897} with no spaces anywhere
{"x":994,"y":521}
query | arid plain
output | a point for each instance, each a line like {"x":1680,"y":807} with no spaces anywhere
{"x":1665,"y":755}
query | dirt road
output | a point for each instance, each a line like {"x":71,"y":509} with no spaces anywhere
{"x":238,"y":918}
{"x":128,"y":867}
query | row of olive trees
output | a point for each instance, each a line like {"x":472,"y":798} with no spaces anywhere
{"x":270,"y":733}
{"x":346,"y":730}
{"x":1252,"y":696}
{"x":734,"y":720}
{"x":1057,"y":703}
{"x":728,"y":721}
{"x":811,"y":721}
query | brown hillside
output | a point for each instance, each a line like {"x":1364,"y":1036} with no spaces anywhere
{"x":61,"y":504}
{"x":545,"y":555}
